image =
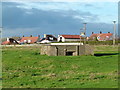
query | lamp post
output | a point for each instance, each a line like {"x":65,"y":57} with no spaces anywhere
{"x":85,"y":32}
{"x":114,"y":32}
{"x":81,"y":35}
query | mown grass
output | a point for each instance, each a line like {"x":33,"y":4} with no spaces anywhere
{"x":24,"y":67}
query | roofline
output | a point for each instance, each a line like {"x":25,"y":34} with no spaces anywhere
{"x":72,"y":38}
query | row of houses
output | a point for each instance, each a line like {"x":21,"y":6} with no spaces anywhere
{"x":61,"y":38}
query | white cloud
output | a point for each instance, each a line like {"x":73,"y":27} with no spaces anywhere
{"x":78,"y":17}
{"x":18,"y":31}
{"x":96,"y":9}
{"x":30,"y":13}
{"x":61,"y":0}
{"x":49,"y":5}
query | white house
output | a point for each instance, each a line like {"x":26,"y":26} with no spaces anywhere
{"x":47,"y":39}
{"x":64,"y":38}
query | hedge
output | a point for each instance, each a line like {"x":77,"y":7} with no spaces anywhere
{"x":96,"y":42}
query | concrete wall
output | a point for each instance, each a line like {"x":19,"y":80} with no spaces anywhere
{"x":72,"y":39}
{"x":44,"y":50}
{"x":63,"y":50}
{"x":66,"y":43}
{"x":89,"y":50}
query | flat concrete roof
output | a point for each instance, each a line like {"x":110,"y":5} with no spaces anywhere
{"x":66,"y":44}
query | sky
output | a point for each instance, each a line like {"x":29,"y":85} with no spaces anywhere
{"x":38,"y":18}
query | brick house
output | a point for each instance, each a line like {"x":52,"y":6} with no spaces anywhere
{"x":29,"y":40}
{"x":9,"y":41}
{"x":101,"y":36}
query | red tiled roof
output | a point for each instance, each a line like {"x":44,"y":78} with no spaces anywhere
{"x":94,"y":35}
{"x":33,"y":39}
{"x":71,"y":36}
{"x":102,"y":35}
{"x":5,"y":43}
{"x":105,"y":34}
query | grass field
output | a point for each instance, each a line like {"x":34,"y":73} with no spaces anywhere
{"x":24,"y":67}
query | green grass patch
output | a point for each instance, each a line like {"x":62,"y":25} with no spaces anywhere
{"x":24,"y":67}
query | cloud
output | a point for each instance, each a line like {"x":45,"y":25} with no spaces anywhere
{"x":98,"y":9}
{"x":61,"y":1}
{"x":8,"y":32}
{"x":22,"y":21}
{"x":49,"y":5}
{"x":0,"y":15}
{"x":35,"y":18}
{"x":89,"y":5}
{"x":91,"y":27}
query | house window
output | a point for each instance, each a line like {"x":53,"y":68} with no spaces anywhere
{"x":107,"y":36}
{"x":25,"y":41}
{"x":29,"y":41}
{"x":51,"y":38}
{"x":98,"y":37}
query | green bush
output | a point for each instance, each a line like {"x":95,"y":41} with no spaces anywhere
{"x":101,"y":42}
{"x":95,"y":42}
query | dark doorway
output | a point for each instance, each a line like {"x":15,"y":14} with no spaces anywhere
{"x":60,"y":39}
{"x":69,"y":53}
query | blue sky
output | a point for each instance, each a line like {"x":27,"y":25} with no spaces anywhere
{"x":38,"y":18}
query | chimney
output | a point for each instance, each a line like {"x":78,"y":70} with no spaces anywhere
{"x":30,"y":35}
{"x":108,"y":32}
{"x":100,"y":32}
{"x":8,"y":39}
{"x":44,"y":35}
{"x":92,"y":32}
{"x":39,"y":36}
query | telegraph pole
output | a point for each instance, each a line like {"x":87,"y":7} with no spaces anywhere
{"x":85,"y":32}
{"x":1,"y":22}
{"x":80,"y":35}
{"x":0,"y":35}
{"x":0,"y":57}
{"x":114,"y":32}
{"x":0,"y":44}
